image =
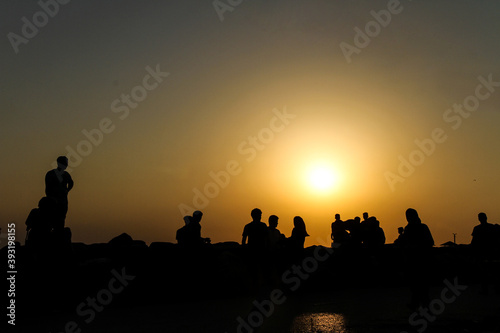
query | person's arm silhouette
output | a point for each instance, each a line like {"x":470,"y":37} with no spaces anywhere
{"x":70,"y":182}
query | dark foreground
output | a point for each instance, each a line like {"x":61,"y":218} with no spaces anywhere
{"x":126,"y":286}
{"x":352,"y":311}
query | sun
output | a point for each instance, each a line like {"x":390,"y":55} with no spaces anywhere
{"x":322,"y":178}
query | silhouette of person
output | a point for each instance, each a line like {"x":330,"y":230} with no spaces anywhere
{"x":339,"y":233}
{"x":379,"y":235}
{"x":181,"y":235}
{"x":277,"y":242}
{"x":365,"y":218}
{"x":364,"y":226}
{"x":58,"y":183}
{"x":193,"y":231}
{"x":485,"y":246}
{"x":354,"y":227}
{"x":397,"y":242}
{"x":417,"y":242}
{"x":484,"y":235}
{"x":275,"y":236}
{"x":416,"y":234}
{"x":374,"y":234}
{"x":39,"y":225}
{"x":299,"y":233}
{"x":256,"y":232}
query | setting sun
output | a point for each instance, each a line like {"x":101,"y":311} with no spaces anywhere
{"x":322,"y":178}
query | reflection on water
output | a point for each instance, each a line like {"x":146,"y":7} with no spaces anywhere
{"x":319,"y":322}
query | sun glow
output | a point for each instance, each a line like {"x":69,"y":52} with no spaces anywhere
{"x":322,"y":178}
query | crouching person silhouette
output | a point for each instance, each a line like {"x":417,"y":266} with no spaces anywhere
{"x":39,"y":226}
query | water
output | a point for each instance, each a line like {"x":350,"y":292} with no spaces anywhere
{"x":319,"y":322}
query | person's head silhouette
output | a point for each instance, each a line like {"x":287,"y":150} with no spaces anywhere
{"x":256,"y":214}
{"x":365,"y":216}
{"x":298,"y":223}
{"x":482,"y":218}
{"x":273,"y":221}
{"x":412,"y":216}
{"x":187,"y":219}
{"x":47,"y":204}
{"x":197,"y":215}
{"x":62,"y":162}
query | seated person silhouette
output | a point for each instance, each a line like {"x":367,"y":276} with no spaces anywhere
{"x":416,"y":234}
{"x":400,"y":236}
{"x":256,"y":232}
{"x":193,"y":231}
{"x":58,"y":183}
{"x":374,"y":234}
{"x":181,"y":236}
{"x":39,"y":225}
{"x":276,"y":238}
{"x":339,"y":234}
{"x":378,"y":234}
{"x":355,"y":232}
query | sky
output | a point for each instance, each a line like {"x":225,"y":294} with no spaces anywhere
{"x":166,"y":107}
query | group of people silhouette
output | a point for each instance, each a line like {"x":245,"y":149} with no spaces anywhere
{"x":415,"y":240}
{"x":190,"y":234}
{"x":48,"y":222}
{"x":257,"y":236}
{"x":350,"y":233}
{"x":356,"y":233}
{"x":46,"y":231}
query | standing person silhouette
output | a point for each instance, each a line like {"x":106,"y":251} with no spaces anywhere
{"x":484,"y":237}
{"x":339,"y":234}
{"x":256,"y":232}
{"x":486,"y":250}
{"x":58,"y":183}
{"x":297,"y":240}
{"x":299,"y":233}
{"x":257,"y":235}
{"x":275,"y":236}
{"x":417,"y":242}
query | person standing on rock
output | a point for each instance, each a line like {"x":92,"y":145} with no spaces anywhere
{"x":58,"y":183}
